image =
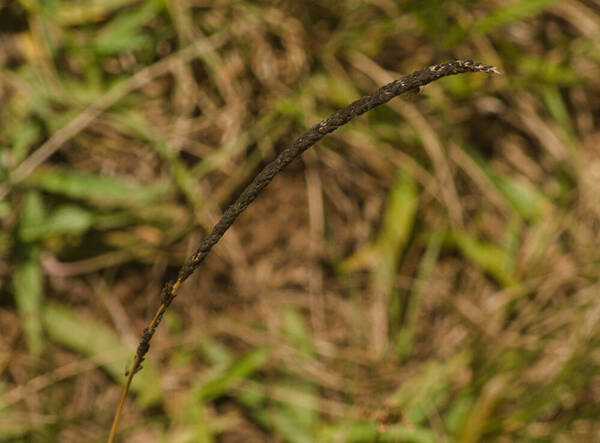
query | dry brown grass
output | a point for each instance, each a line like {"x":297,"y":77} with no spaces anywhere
{"x":489,"y":284}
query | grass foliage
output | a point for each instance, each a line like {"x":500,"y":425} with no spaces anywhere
{"x":429,"y":273}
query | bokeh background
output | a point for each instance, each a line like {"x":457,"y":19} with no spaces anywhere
{"x":428,"y":273}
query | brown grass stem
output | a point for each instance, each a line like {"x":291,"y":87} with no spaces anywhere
{"x":339,"y":118}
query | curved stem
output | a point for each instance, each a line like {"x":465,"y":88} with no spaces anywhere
{"x":309,"y":138}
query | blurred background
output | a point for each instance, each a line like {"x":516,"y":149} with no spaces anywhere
{"x":427,"y":273}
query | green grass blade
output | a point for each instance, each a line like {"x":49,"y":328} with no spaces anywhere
{"x":66,"y":219}
{"x":487,"y":255}
{"x":90,"y":338}
{"x":511,"y":12}
{"x":295,"y":330}
{"x":527,"y":200}
{"x":29,"y":293}
{"x":125,"y":32}
{"x":405,"y":337}
{"x":399,"y":216}
{"x":423,"y":394}
{"x":225,"y":378}
{"x":408,"y":434}
{"x":97,"y":188}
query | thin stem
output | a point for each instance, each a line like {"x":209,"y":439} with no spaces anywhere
{"x":309,"y":138}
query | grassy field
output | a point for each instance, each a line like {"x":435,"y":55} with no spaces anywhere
{"x":428,"y":273}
